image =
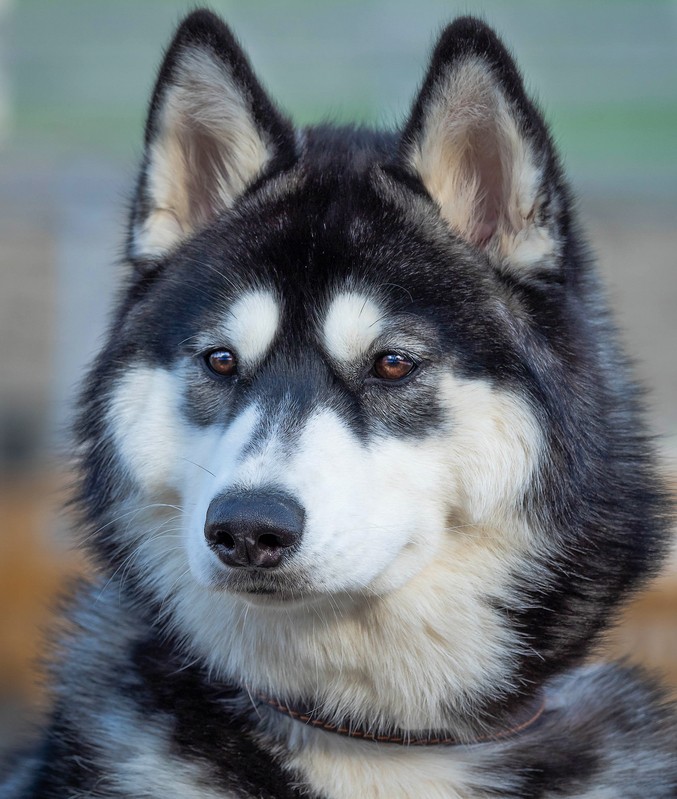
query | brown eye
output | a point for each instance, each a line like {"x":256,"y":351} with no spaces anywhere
{"x":222,"y":362}
{"x":393,"y":366}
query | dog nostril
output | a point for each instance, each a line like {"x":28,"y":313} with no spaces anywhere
{"x":226,"y":540}
{"x":269,"y":540}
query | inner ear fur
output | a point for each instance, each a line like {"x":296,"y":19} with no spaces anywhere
{"x":482,"y":150}
{"x":211,"y":132}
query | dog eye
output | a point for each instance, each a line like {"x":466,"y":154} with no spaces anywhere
{"x":393,"y":366}
{"x":221,"y":362}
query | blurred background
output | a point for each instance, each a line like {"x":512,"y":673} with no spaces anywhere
{"x":75,"y":76}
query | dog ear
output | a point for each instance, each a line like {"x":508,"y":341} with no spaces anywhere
{"x":483,"y":152}
{"x":211,"y":131}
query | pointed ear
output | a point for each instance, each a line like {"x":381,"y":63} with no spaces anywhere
{"x":211,"y":132}
{"x":483,"y":152}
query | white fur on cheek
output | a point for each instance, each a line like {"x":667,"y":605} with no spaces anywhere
{"x":352,"y":323}
{"x":251,"y":324}
{"x":494,"y":449}
{"x":360,"y":511}
{"x":145,"y":423}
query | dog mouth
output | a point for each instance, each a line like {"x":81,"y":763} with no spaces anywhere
{"x":261,"y":586}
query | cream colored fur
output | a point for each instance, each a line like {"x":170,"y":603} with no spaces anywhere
{"x":352,"y":323}
{"x":478,"y":166}
{"x":340,"y":769}
{"x":206,"y":150}
{"x":248,"y":327}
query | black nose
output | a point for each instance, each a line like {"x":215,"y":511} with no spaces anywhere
{"x":253,"y":528}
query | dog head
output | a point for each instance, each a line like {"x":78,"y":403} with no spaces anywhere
{"x":365,"y":378}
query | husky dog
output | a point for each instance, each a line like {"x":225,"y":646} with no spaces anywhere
{"x":361,"y":463}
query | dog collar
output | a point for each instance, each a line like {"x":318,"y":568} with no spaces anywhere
{"x":521,"y":721}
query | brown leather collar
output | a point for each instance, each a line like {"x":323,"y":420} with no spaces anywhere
{"x":522,"y":720}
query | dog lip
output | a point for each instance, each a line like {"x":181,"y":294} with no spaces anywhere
{"x":260,"y":590}
{"x":251,"y":582}
{"x":270,"y":596}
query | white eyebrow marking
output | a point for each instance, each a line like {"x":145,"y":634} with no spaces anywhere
{"x":352,"y":323}
{"x":251,"y":324}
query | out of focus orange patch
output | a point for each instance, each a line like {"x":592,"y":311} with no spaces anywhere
{"x":647,"y":633}
{"x":33,"y":573}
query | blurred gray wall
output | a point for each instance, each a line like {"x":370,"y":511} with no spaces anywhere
{"x":74,"y":80}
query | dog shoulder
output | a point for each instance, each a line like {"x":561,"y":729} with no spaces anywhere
{"x":608,"y":731}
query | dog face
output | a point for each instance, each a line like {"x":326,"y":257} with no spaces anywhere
{"x":346,"y":401}
{"x":364,"y":368}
